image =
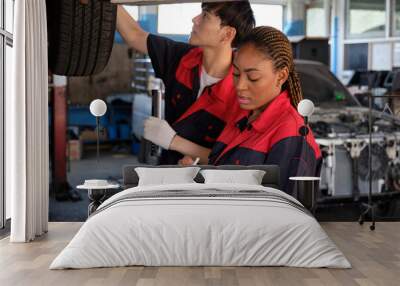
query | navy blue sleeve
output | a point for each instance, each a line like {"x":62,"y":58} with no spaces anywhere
{"x":165,"y":55}
{"x":295,"y":157}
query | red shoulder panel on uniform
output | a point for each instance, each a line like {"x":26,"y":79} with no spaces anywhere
{"x":192,"y":59}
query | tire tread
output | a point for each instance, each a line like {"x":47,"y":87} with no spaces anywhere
{"x":81,"y":44}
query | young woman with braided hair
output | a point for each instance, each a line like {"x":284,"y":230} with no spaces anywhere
{"x":265,"y":125}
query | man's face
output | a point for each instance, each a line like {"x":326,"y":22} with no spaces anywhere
{"x":206,"y":30}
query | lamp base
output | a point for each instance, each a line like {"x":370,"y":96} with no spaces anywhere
{"x":370,"y":208}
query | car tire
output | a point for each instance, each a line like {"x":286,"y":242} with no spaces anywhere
{"x":80,"y":36}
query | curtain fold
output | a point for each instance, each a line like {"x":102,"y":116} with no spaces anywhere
{"x":27,"y":144}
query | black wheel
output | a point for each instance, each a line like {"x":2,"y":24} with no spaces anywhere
{"x":360,"y":221}
{"x":80,"y":36}
{"x":372,"y":227}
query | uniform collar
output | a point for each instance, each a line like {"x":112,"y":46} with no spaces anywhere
{"x":224,"y":88}
{"x":273,"y":111}
{"x":221,"y":90}
{"x":193,"y":58}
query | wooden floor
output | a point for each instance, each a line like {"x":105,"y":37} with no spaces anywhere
{"x":375,"y":257}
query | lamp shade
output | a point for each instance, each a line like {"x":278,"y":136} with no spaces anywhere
{"x":98,"y":107}
{"x":305,"y":107}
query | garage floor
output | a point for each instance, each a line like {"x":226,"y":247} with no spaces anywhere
{"x":109,"y":168}
{"x":374,"y":255}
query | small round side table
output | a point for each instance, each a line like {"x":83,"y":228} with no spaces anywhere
{"x":96,"y":195}
{"x":306,"y":191}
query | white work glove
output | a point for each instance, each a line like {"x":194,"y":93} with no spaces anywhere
{"x":159,"y":132}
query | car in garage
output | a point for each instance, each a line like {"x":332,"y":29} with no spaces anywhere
{"x":340,"y":124}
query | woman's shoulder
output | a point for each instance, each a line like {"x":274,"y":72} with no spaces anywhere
{"x":288,"y":125}
{"x":289,"y":122}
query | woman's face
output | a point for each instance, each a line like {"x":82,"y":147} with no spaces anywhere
{"x":256,"y":81}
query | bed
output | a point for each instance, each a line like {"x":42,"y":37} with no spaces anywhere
{"x":201,"y":224}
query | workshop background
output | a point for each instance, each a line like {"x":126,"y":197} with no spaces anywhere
{"x":357,"y":41}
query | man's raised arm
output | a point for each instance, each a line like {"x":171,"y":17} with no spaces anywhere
{"x":130,"y":31}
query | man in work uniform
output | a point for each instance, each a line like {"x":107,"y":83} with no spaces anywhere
{"x":198,"y":79}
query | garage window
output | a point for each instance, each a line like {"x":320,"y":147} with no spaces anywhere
{"x":176,"y":19}
{"x":396,"y":19}
{"x":133,"y":11}
{"x":356,"y":56}
{"x":268,"y":15}
{"x":316,"y":23}
{"x":6,"y":42}
{"x":366,"y":18}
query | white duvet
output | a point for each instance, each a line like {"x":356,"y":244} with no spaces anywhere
{"x":183,"y":231}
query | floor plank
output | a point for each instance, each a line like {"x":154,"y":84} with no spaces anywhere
{"x":375,"y":257}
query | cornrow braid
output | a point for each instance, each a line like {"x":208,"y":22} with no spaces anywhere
{"x":276,"y":47}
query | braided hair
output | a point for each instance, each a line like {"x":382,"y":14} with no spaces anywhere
{"x":275,"y":46}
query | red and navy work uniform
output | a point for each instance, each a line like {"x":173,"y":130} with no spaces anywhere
{"x":273,"y":138}
{"x":200,"y":120}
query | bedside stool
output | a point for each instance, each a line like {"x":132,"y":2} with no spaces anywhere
{"x":96,"y":195}
{"x":306,"y":189}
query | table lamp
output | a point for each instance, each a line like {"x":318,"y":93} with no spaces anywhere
{"x":97,"y":188}
{"x":98,"y":108}
{"x":306,"y":109}
{"x":306,"y":186}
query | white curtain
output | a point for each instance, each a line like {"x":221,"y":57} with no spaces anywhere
{"x":27,"y":147}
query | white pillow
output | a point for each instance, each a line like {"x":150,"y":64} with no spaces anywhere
{"x":248,"y":177}
{"x":164,"y":176}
